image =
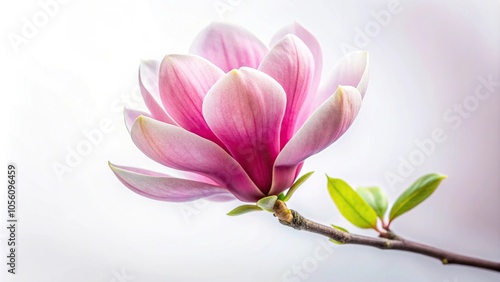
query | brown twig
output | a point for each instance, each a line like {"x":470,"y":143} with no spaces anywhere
{"x":293,"y":219}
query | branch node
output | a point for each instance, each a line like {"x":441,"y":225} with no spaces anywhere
{"x":282,"y":212}
{"x":388,"y":244}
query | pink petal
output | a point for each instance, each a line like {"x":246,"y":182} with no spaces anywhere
{"x":131,"y":115}
{"x":184,"y":81}
{"x":229,"y":46}
{"x":284,"y":177}
{"x":197,"y":177}
{"x":311,"y":42}
{"x":204,"y":179}
{"x":291,"y":64}
{"x":245,"y":109}
{"x":323,"y":128}
{"x":178,"y":148}
{"x":163,"y":187}
{"x":352,"y":70}
{"x":148,"y":83}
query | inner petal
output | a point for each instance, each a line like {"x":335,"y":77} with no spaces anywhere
{"x":245,"y":109}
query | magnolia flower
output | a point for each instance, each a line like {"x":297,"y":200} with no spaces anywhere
{"x":238,"y":117}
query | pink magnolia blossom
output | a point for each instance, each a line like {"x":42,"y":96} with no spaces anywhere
{"x":238,"y":117}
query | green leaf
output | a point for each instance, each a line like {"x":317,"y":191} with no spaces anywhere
{"x":296,"y":185}
{"x":281,"y":196}
{"x":351,"y":205}
{"x":339,"y":228}
{"x":267,"y":203}
{"x":243,"y":209}
{"x":376,"y":198}
{"x":417,"y":193}
{"x":335,"y":241}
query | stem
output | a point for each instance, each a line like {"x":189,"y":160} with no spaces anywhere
{"x":299,"y":222}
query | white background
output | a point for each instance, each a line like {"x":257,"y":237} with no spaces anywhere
{"x":79,"y":68}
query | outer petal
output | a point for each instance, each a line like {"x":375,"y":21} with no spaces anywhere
{"x":131,"y":115}
{"x":352,"y":70}
{"x":284,"y":177}
{"x":163,"y":187}
{"x":197,"y":177}
{"x":245,"y":109}
{"x":229,"y":46}
{"x":180,"y":149}
{"x":184,"y":81}
{"x":291,"y":64}
{"x":323,"y":128}
{"x":148,"y":83}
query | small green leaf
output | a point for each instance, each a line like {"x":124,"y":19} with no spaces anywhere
{"x":296,"y":185}
{"x":351,"y":205}
{"x":281,"y":196}
{"x":335,"y":241}
{"x":267,"y":203}
{"x":243,"y":209}
{"x":417,"y":193}
{"x":339,"y":228}
{"x":376,"y":198}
